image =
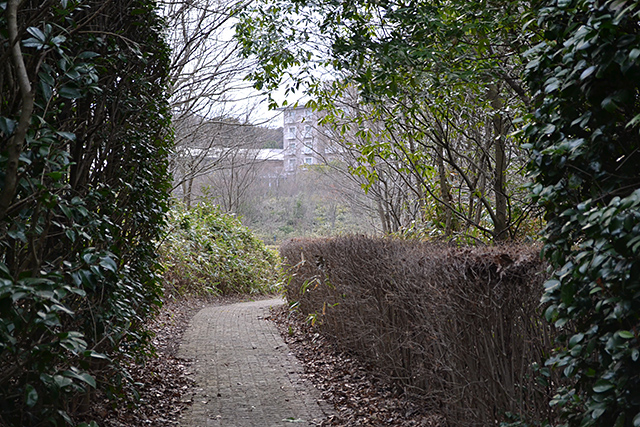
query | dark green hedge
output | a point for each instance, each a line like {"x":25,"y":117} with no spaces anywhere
{"x":83,"y":169}
{"x":585,"y":157}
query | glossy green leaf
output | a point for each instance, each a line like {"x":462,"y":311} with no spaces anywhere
{"x":37,"y":33}
{"x":61,"y":381}
{"x":70,"y":136}
{"x":587,"y":72}
{"x":626,"y":334}
{"x":31,"y":396}
{"x":602,"y":386}
{"x":92,"y":176}
{"x":7,"y":126}
{"x":88,"y":55}
{"x":575,"y":339}
{"x":58,"y":40}
{"x":109,"y":264}
{"x":70,"y":92}
{"x":82,"y":376}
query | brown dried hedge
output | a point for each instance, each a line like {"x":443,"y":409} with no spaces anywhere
{"x":457,"y":327}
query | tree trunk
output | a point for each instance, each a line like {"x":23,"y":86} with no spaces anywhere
{"x":384,"y":218}
{"x":14,"y":147}
{"x":500,"y":230}
{"x":445,"y":193}
{"x":187,"y":193}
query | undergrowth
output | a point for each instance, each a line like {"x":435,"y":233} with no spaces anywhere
{"x":209,"y":252}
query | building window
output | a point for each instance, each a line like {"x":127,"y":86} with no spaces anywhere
{"x":289,"y":116}
{"x":308,"y":160}
{"x":292,"y":132}
{"x":291,"y":165}
{"x":308,"y":148}
{"x":307,"y":131}
{"x":292,"y":146}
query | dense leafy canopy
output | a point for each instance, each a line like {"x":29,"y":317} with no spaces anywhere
{"x":384,"y":46}
{"x":585,"y":143}
{"x":83,"y":146}
{"x":441,"y":84}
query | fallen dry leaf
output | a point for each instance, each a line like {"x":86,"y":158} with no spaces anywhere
{"x":358,"y":396}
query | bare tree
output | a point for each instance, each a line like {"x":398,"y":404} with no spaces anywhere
{"x":208,"y":89}
{"x":446,"y":166}
{"x":245,"y":170}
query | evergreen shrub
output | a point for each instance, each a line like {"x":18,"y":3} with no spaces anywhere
{"x":84,"y":140}
{"x":584,"y":142}
{"x":209,"y":252}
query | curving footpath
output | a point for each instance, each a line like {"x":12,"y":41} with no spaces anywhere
{"x":245,"y":374}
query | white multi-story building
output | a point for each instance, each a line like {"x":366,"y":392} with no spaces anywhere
{"x":303,"y":142}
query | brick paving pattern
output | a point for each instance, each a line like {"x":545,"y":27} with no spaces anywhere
{"x":245,"y":374}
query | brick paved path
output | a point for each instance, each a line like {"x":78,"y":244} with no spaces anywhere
{"x":245,"y":375}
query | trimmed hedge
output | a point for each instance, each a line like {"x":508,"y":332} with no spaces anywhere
{"x":459,"y":328}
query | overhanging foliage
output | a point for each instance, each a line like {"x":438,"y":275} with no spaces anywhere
{"x":438,"y":88}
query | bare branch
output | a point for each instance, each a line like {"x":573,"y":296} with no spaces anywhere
{"x":16,"y":141}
